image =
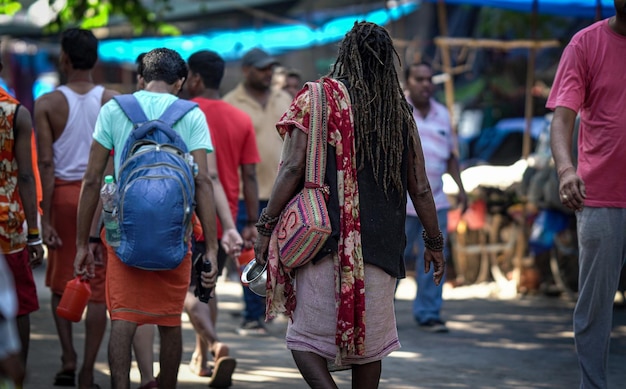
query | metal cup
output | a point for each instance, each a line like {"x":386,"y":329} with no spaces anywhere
{"x":254,"y":275}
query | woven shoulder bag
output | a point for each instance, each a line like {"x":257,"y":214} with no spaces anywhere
{"x":304,"y":224}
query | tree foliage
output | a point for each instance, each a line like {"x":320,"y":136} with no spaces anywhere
{"x":91,"y":14}
{"x":502,"y":23}
{"x":9,"y":7}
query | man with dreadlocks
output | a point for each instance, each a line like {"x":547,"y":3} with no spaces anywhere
{"x":344,"y":318}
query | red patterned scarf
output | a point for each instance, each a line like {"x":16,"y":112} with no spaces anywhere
{"x":349,"y":267}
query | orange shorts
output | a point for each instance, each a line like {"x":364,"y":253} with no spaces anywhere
{"x":60,"y":267}
{"x":146,"y":296}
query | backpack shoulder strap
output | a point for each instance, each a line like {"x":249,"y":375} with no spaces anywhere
{"x":131,"y":108}
{"x":176,"y":111}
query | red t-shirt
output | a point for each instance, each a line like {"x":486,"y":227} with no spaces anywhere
{"x":590,"y":80}
{"x":234,"y":141}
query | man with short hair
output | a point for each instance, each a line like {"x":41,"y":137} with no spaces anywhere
{"x":136,"y":296}
{"x":255,"y":96}
{"x":293,"y":82}
{"x":232,"y":134}
{"x":64,"y":121}
{"x":439,"y":148}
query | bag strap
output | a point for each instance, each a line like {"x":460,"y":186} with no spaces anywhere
{"x":318,"y":135}
{"x":131,"y":107}
{"x":176,"y":111}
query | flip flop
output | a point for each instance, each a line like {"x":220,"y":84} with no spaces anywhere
{"x":65,"y":378}
{"x":223,"y":372}
{"x":200,"y":372}
{"x":150,"y":385}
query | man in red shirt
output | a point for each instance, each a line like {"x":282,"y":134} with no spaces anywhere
{"x":233,"y":136}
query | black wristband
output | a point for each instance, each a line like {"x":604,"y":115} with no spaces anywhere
{"x":265,"y":225}
{"x":95,"y":239}
{"x":32,"y":236}
{"x":433,"y":244}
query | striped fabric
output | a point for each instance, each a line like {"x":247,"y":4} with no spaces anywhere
{"x":304,"y":224}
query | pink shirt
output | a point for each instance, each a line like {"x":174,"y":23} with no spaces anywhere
{"x":591,"y":80}
{"x":438,"y":143}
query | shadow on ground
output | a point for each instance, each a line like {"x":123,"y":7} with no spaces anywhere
{"x":521,"y":342}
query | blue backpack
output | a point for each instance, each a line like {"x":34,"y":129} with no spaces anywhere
{"x":156,"y":189}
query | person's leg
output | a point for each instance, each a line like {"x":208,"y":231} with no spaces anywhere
{"x":23,"y":328}
{"x":314,"y":370}
{"x":95,"y":326}
{"x":64,"y":330}
{"x":26,"y":292}
{"x":428,"y":299}
{"x":602,"y":244}
{"x":218,"y":349}
{"x":170,"y":355}
{"x":11,"y":365}
{"x":144,"y":354}
{"x":366,"y":376}
{"x":200,"y":316}
{"x":120,"y":353}
{"x":199,"y":363}
{"x":254,"y":305}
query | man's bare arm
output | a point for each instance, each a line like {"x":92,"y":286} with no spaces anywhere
{"x":45,"y":137}
{"x":22,"y":129}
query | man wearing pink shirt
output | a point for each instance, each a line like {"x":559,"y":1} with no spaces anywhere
{"x":439,"y":147}
{"x":590,"y":81}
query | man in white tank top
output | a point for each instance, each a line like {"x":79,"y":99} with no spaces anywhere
{"x":64,"y":122}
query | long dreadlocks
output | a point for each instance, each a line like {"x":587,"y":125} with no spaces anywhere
{"x":366,"y":59}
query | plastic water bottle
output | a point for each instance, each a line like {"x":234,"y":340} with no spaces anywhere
{"x":109,"y":196}
{"x":74,"y":299}
{"x":192,"y":164}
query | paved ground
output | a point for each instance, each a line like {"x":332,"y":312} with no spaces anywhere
{"x":497,"y":340}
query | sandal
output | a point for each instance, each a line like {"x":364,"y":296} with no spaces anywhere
{"x":65,"y":378}
{"x":150,"y":385}
{"x":200,"y":372}
{"x":194,"y":367}
{"x":223,"y":372}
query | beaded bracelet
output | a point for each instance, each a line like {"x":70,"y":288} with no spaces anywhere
{"x":35,"y":243}
{"x":266,"y":223}
{"x":433,"y":244}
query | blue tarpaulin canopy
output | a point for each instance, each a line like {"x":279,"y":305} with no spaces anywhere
{"x":573,"y":8}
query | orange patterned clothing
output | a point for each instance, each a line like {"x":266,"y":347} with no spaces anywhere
{"x":12,"y":217}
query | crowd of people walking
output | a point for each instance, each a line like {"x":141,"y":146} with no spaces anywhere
{"x":388,"y":144}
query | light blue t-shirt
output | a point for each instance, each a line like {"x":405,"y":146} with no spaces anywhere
{"x":113,"y":127}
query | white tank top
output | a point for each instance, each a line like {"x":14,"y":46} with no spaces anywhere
{"x":71,"y":150}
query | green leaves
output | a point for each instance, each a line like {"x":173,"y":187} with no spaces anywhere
{"x":9,"y":7}
{"x":499,"y":23}
{"x":91,"y":14}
